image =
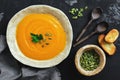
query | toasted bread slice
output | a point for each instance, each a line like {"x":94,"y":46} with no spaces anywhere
{"x":109,"y":48}
{"x":112,"y":35}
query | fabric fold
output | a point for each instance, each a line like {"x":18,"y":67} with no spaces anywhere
{"x":11,"y":69}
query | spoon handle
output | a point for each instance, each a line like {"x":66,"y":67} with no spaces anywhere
{"x":84,"y":29}
{"x":83,"y":39}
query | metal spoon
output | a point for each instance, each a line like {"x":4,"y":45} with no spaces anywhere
{"x":96,"y":13}
{"x":101,"y":27}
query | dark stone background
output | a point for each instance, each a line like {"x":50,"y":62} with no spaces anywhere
{"x":67,"y":68}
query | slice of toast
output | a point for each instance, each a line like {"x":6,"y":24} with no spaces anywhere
{"x":112,"y":35}
{"x":109,"y":48}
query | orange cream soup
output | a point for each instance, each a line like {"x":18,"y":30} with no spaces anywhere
{"x":40,"y":24}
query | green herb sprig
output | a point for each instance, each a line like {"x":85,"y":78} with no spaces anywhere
{"x":36,"y":37}
{"x":43,"y":39}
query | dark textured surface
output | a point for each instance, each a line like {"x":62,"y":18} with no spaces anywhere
{"x":67,"y":67}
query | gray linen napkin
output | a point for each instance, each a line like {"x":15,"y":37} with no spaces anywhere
{"x":11,"y":69}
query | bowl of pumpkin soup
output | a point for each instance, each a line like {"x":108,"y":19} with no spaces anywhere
{"x":39,"y":36}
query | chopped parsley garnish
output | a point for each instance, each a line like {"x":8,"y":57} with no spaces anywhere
{"x":36,"y":37}
{"x":77,"y":12}
{"x":42,"y":39}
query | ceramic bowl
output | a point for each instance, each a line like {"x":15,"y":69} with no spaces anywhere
{"x":44,"y":9}
{"x":102,"y":61}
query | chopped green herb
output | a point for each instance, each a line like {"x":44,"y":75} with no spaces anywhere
{"x":81,"y":10}
{"x":89,"y":60}
{"x":36,"y":38}
{"x":76,"y":13}
{"x":72,"y":12}
{"x":40,"y":37}
{"x":76,"y":9}
{"x":80,"y":14}
{"x":74,"y":17}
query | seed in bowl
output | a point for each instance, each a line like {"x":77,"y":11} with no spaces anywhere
{"x":89,"y":60}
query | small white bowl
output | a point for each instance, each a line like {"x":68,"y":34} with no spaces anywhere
{"x":101,"y":63}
